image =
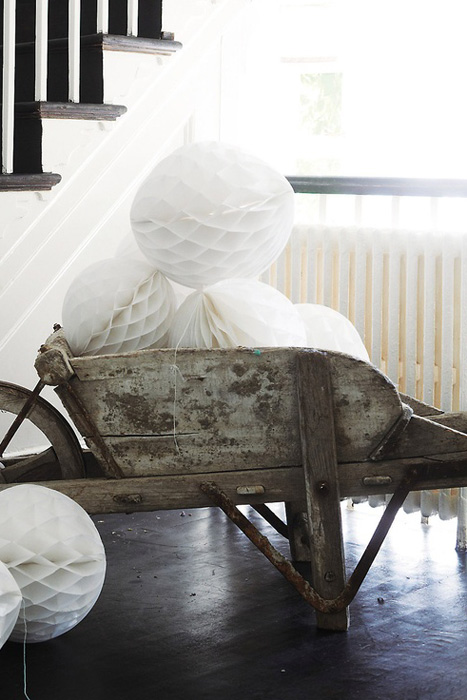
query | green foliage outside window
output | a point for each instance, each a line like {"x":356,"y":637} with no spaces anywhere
{"x":321,"y":103}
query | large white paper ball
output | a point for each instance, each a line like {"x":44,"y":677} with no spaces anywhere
{"x":209,"y":212}
{"x":237,"y":312}
{"x":117,"y":305}
{"x":128,"y":248}
{"x":10,"y":603}
{"x":327,"y":329}
{"x":56,"y":556}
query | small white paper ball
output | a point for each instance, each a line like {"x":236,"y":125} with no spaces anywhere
{"x":237,"y":312}
{"x":209,"y":212}
{"x":56,"y":556}
{"x":327,"y":329}
{"x":10,"y":603}
{"x":117,"y":305}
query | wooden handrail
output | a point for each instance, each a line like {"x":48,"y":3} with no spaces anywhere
{"x":392,"y":186}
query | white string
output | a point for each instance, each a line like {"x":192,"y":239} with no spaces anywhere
{"x":176,"y":370}
{"x":24,"y":653}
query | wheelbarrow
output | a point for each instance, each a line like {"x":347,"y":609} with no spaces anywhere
{"x":189,"y":428}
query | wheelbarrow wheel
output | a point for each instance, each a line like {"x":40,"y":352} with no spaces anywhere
{"x":60,"y":455}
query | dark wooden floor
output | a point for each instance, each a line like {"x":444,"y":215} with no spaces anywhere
{"x":191,"y":610}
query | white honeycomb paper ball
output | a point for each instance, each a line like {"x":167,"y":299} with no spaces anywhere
{"x":117,"y":305}
{"x":209,"y":212}
{"x":237,"y":312}
{"x":56,"y":556}
{"x":10,"y":603}
{"x":128,"y":248}
{"x":327,"y":329}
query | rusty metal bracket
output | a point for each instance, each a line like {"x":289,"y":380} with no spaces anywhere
{"x":286,"y":568}
{"x":393,"y":434}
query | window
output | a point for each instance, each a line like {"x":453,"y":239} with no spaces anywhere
{"x":368,"y":87}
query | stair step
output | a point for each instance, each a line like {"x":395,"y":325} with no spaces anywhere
{"x":91,"y":65}
{"x":28,"y":127}
{"x":69,"y":110}
{"x":29,"y":182}
{"x":164,"y":46}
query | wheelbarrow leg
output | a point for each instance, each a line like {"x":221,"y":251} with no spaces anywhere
{"x":297,"y":524}
{"x":321,"y":485}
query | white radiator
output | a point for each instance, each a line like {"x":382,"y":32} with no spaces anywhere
{"x":404,"y":292}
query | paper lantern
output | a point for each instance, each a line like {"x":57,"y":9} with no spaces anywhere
{"x":327,"y":329}
{"x":237,"y":312}
{"x":10,"y":603}
{"x":55,"y":554}
{"x":209,"y":212}
{"x":117,"y":305}
{"x":129,"y":249}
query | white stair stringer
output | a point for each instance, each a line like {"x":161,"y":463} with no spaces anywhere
{"x":51,"y":236}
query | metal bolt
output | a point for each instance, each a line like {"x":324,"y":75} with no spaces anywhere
{"x":329,"y":576}
{"x":323,"y":487}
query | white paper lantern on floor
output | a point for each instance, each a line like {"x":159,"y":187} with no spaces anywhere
{"x":55,"y":554}
{"x":209,"y":212}
{"x":117,"y":305}
{"x":237,"y":312}
{"x":10,"y":603}
{"x":328,"y":329}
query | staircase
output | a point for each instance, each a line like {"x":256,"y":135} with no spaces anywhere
{"x":60,"y":98}
{"x":78,"y":162}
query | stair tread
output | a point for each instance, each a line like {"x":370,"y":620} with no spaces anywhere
{"x":28,"y":182}
{"x":69,"y":110}
{"x":112,"y":42}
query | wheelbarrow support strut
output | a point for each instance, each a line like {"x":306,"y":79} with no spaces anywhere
{"x":286,"y":568}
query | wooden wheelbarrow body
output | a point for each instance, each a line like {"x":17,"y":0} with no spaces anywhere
{"x":191,"y":428}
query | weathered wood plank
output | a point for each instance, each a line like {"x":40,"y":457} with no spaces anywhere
{"x":424,"y":437}
{"x":420,"y":408}
{"x":456,"y":421}
{"x":447,"y":470}
{"x":282,"y":484}
{"x":203,"y":402}
{"x":196,"y":453}
{"x":173,"y":492}
{"x":366,"y":405}
{"x":322,"y":489}
{"x":297,"y":524}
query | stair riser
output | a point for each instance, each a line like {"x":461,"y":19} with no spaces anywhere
{"x":91,"y":88}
